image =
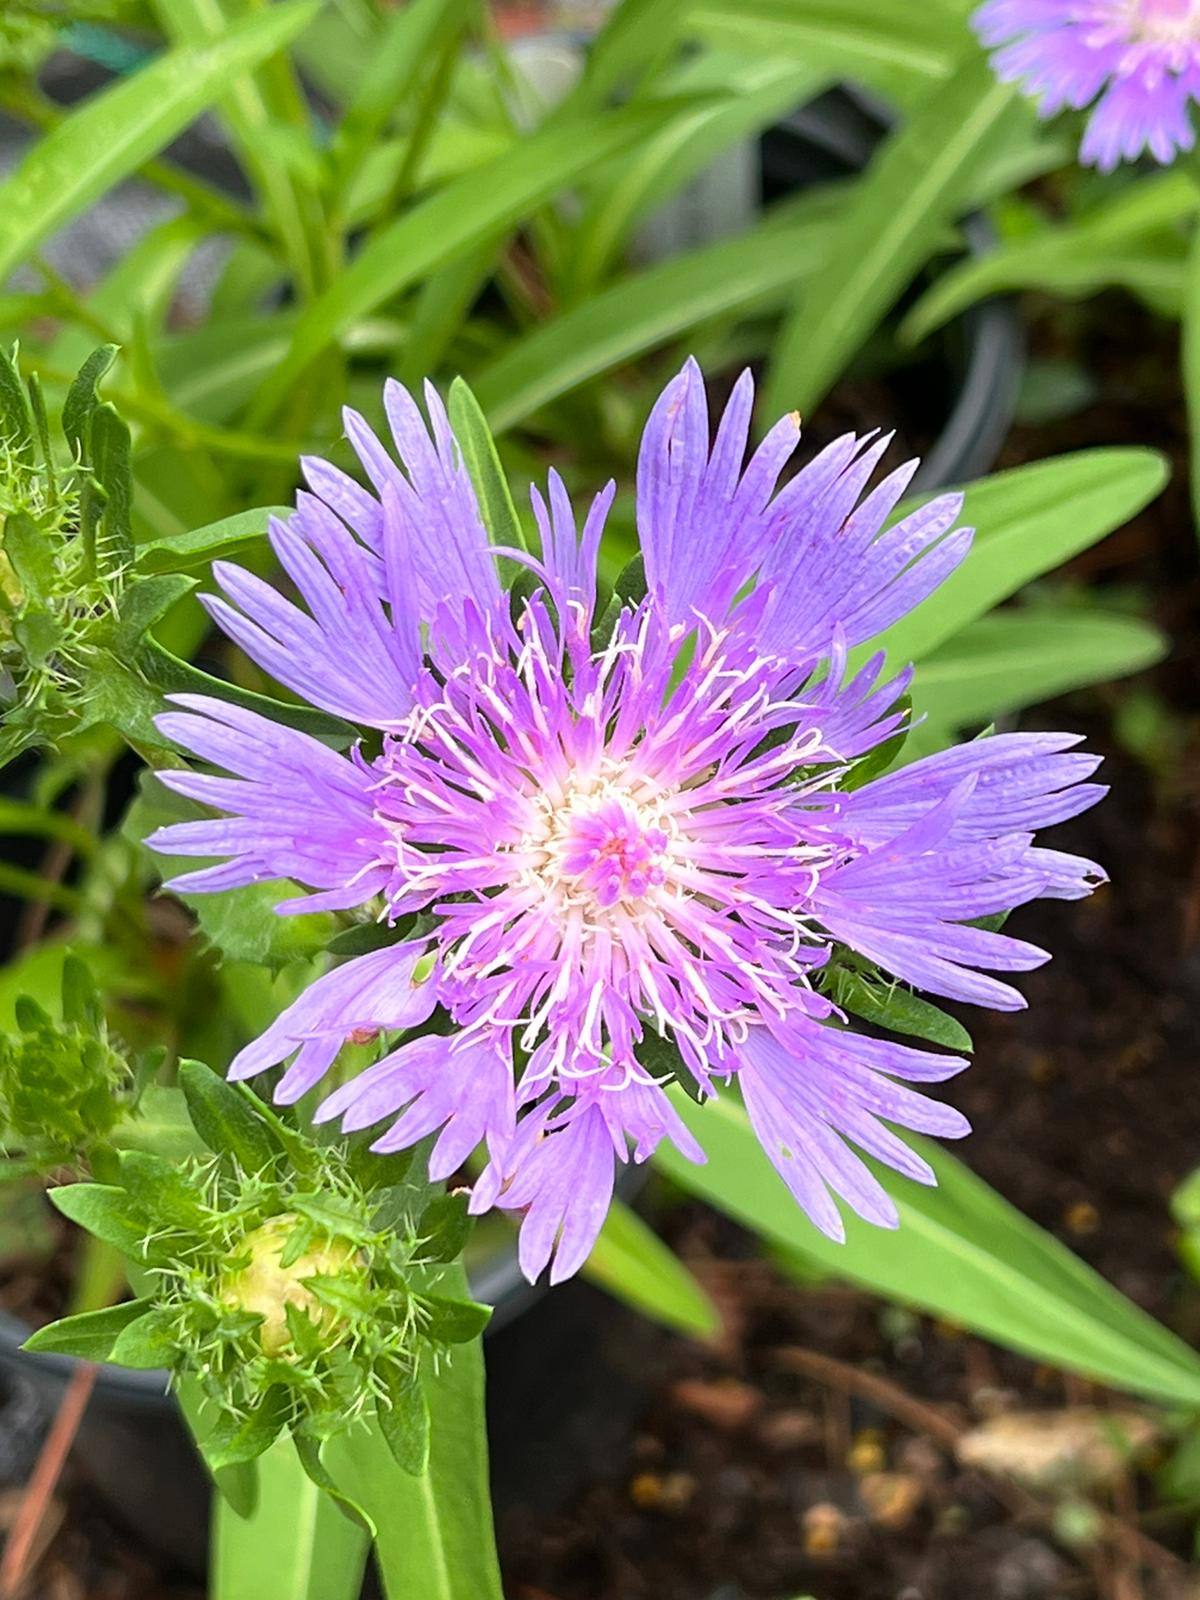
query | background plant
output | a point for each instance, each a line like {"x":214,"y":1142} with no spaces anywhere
{"x":410,"y":206}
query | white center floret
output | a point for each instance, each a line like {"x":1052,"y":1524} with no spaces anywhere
{"x":1161,"y":22}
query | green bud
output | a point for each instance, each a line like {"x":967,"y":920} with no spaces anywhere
{"x":295,"y":1292}
{"x":70,"y":625}
{"x":63,"y":1085}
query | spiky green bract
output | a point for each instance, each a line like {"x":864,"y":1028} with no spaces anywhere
{"x":71,"y":616}
{"x":300,"y":1286}
{"x":64,"y":1085}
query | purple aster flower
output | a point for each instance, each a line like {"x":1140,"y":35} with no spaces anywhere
{"x":599,"y":829}
{"x":1138,"y":60}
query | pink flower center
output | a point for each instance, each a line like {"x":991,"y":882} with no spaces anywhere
{"x":613,"y":852}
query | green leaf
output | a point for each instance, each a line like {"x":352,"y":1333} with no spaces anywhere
{"x":198,"y":546}
{"x":80,"y":995}
{"x":263,"y":109}
{"x":238,"y":1484}
{"x":117,"y":695}
{"x":1011,"y":660}
{"x":408,"y":42}
{"x":891,"y":1005}
{"x":633,"y":1263}
{"x":1027,"y":521}
{"x":635,"y":32}
{"x":161,"y":1190}
{"x":439,"y":229}
{"x":483,"y":466}
{"x":112,"y":1215}
{"x":110,"y":455}
{"x":225,"y":1119}
{"x":90,"y":1336}
{"x":960,"y":1252}
{"x":31,"y":555}
{"x":451,"y":1321}
{"x":244,"y":925}
{"x":232,"y":1441}
{"x":118,"y":129}
{"x":160,"y":1124}
{"x":212,"y":370}
{"x":16,"y":423}
{"x":645,"y":311}
{"x":877,"y":761}
{"x":148,"y":1343}
{"x":294,"y":1545}
{"x":917,"y":182}
{"x":856,"y":37}
{"x":444,"y":1227}
{"x":1135,"y":240}
{"x":309,"y":1450}
{"x":435,"y":1531}
{"x":83,"y":398}
{"x":404,"y":1419}
{"x":41,"y":428}
{"x":146,"y":602}
{"x":364,"y":937}
{"x":756,"y":91}
{"x":174,"y":676}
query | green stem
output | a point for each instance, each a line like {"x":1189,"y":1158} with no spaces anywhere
{"x":99,"y":1278}
{"x":29,"y":886}
{"x":435,"y":1538}
{"x":418,"y":141}
{"x":294,"y":1545}
{"x":64,"y":299}
{"x":249,"y":110}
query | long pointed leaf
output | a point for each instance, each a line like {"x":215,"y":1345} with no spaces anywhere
{"x":645,"y":311}
{"x":117,"y":130}
{"x":960,"y":1252}
{"x":633,"y":1263}
{"x":1011,"y":660}
{"x":860,"y":38}
{"x":441,"y":228}
{"x":295,"y":1545}
{"x":1138,"y":240}
{"x":250,"y":106}
{"x":760,"y":90}
{"x":1027,"y":521}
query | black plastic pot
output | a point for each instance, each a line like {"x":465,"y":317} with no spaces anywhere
{"x":982,"y":354}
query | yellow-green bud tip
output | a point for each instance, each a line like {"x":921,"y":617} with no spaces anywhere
{"x":264,"y":1285}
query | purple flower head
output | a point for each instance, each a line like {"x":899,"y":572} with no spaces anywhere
{"x":624,"y":838}
{"x":1137,"y":60}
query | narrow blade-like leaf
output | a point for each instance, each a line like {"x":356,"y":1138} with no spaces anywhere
{"x":113,"y":133}
{"x":960,"y":1252}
